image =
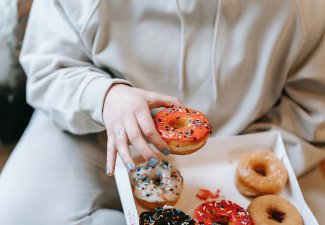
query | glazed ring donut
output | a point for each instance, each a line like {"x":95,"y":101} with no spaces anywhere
{"x":185,"y":130}
{"x":273,"y":210}
{"x":157,"y":186}
{"x":221,"y":212}
{"x":261,"y":173}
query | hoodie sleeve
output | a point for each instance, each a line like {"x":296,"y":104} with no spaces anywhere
{"x":300,"y":113}
{"x":61,"y":78}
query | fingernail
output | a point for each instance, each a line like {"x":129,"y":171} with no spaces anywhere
{"x":108,"y":171}
{"x":166,"y":152}
{"x":153,"y":161}
{"x":129,"y":166}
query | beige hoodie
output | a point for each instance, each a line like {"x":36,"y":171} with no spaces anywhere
{"x":248,"y":65}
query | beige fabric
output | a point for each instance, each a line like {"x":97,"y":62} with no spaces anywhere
{"x":54,"y":178}
{"x":313,"y":187}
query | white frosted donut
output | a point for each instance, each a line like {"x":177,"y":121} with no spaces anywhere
{"x":157,"y":186}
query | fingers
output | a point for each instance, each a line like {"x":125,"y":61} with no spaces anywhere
{"x":156,"y":100}
{"x":111,"y":154}
{"x":117,"y":142}
{"x":129,"y":121}
{"x":135,"y":137}
{"x":122,"y":146}
{"x":148,"y":128}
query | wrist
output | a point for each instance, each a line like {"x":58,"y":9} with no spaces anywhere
{"x":112,"y":88}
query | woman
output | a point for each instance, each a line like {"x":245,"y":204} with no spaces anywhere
{"x":100,"y":65}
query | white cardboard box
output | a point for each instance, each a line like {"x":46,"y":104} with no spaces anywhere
{"x":213,"y":167}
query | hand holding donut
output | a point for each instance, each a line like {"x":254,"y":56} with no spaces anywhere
{"x":127,"y":118}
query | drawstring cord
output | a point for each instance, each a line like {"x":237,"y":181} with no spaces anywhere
{"x":181,"y":72}
{"x":215,"y":81}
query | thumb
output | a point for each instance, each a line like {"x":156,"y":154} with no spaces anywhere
{"x":156,"y":100}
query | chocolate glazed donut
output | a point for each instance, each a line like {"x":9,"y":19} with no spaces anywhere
{"x":161,"y":216}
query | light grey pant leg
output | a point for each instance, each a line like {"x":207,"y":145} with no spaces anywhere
{"x":55,"y":178}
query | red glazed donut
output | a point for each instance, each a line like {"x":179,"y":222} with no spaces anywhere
{"x":185,"y":130}
{"x":221,"y":212}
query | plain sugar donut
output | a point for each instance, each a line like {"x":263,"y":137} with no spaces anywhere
{"x":273,"y":210}
{"x":261,"y":173}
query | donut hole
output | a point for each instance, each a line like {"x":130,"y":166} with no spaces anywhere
{"x":275,"y":215}
{"x":260,"y":169}
{"x":221,"y":220}
{"x":180,"y":122}
{"x":157,"y":180}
